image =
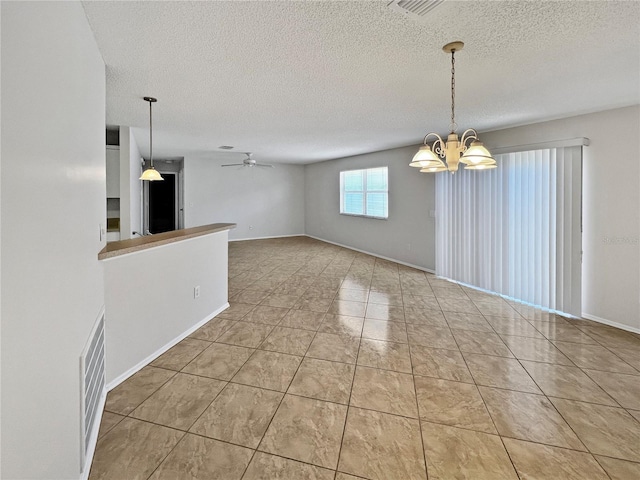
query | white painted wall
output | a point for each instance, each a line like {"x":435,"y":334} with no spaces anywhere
{"x":611,"y":201}
{"x":53,"y":201}
{"x":130,"y":185}
{"x":409,"y":233}
{"x":263,"y":202}
{"x":150,"y":301}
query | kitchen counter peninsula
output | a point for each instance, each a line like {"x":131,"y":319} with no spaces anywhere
{"x":132,"y":245}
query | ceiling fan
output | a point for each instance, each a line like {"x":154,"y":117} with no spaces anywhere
{"x":248,"y":162}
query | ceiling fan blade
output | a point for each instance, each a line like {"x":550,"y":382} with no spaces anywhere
{"x":263,"y":165}
{"x":233,"y":165}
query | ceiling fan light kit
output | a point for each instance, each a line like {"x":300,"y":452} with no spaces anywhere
{"x":150,"y":174}
{"x":466,"y":149}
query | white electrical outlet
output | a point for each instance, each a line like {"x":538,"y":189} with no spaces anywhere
{"x":196,"y":291}
{"x":250,"y":227}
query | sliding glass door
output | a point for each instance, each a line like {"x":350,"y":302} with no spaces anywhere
{"x":515,"y":230}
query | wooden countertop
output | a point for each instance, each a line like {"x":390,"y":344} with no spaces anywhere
{"x":132,"y":245}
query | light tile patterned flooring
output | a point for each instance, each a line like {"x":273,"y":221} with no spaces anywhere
{"x":331,"y":364}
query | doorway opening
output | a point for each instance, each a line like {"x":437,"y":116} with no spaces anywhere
{"x":163,"y":209}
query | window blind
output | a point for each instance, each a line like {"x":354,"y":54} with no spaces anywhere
{"x":515,"y":230}
{"x":365,"y":192}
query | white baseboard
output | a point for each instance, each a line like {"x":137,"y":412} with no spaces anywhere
{"x":121,"y":378}
{"x":621,"y":326}
{"x":428,"y":270}
{"x":91,"y":449}
{"x":267,"y":238}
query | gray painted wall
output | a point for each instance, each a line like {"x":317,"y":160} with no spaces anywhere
{"x":263,"y":202}
{"x":408,"y":235}
{"x":611,"y":197}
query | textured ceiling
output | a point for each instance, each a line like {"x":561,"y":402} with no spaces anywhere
{"x":301,"y":81}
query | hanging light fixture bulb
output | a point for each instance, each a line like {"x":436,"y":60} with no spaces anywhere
{"x":455,"y":149}
{"x":151,"y":174}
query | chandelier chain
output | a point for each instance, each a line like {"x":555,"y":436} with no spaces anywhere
{"x":453,"y":91}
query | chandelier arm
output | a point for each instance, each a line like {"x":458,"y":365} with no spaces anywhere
{"x":437,"y":145}
{"x":438,"y":148}
{"x":430,"y":134}
{"x":469,"y":134}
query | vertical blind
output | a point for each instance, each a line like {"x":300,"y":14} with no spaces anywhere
{"x":515,"y":230}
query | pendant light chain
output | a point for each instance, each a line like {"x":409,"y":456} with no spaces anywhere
{"x":453,"y":125}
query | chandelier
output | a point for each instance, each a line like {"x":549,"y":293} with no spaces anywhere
{"x":467,"y":150}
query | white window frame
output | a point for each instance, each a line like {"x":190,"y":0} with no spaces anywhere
{"x":364,"y":193}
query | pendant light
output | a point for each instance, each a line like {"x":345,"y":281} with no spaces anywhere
{"x":454,"y":150}
{"x":151,"y":174}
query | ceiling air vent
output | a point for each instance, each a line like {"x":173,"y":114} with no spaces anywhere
{"x":417,"y":9}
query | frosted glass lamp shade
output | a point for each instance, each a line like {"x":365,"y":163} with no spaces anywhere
{"x":151,"y":175}
{"x":477,"y":154}
{"x":481,"y":166}
{"x":434,"y":169}
{"x":425,"y":158}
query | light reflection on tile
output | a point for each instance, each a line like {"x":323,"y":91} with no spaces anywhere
{"x":595,"y":357}
{"x":500,"y":372}
{"x":345,"y":307}
{"x":342,"y":325}
{"x":567,"y":382}
{"x":385,"y":355}
{"x":452,"y":403}
{"x":386,"y":331}
{"x":529,"y":417}
{"x":439,"y":363}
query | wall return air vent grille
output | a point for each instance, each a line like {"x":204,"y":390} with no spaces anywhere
{"x":92,"y":385}
{"x":416,"y":9}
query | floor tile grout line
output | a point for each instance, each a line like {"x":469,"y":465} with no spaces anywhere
{"x":602,"y":467}
{"x":184,"y":434}
{"x":415,"y":392}
{"x":149,"y":396}
{"x":385,"y":413}
{"x":284,"y":394}
{"x":254,"y":449}
{"x":554,"y":407}
{"x":346,"y":417}
{"x":229,"y":381}
{"x":379,"y":411}
{"x":545,"y":393}
{"x":486,"y":407}
{"x":621,"y":359}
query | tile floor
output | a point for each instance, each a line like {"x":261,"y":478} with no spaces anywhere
{"x":331,"y":364}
